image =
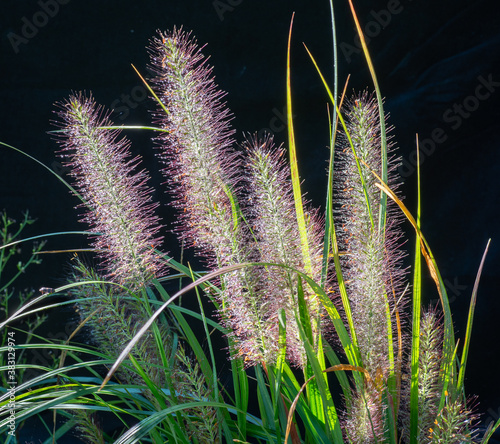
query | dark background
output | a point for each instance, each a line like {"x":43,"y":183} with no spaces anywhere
{"x":430,"y":57}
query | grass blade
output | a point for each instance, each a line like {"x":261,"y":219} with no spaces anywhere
{"x":383,"y":135}
{"x":416,"y":310}
{"x":297,"y":193}
{"x":461,"y":374}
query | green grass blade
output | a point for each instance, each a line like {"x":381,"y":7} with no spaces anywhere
{"x":333,"y":134}
{"x":241,"y":394}
{"x":275,"y":377}
{"x":351,"y":351}
{"x":416,"y":311}
{"x":297,"y":193}
{"x":158,"y":312}
{"x":333,"y":361}
{"x":44,"y":166}
{"x":351,"y":144}
{"x":461,"y":374}
{"x":383,"y":133}
{"x":449,"y":336}
{"x":265,"y":402}
{"x":489,"y":431}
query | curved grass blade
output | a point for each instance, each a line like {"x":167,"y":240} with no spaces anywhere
{"x":461,"y":374}
{"x":157,"y":313}
{"x":340,"y":367}
{"x":44,"y":166}
{"x":135,"y":433}
{"x":297,"y":193}
{"x":383,"y":135}
{"x":43,"y":236}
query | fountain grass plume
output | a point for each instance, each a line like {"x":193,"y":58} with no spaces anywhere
{"x":203,"y":170}
{"x":200,"y":165}
{"x":429,"y":378}
{"x":372,"y":269}
{"x":272,"y":216}
{"x":372,"y":260}
{"x":117,"y":198}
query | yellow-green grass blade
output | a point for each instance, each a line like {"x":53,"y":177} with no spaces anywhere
{"x":151,"y":90}
{"x":119,"y":127}
{"x":275,"y":375}
{"x":304,"y":322}
{"x":333,"y":361}
{"x":383,"y":135}
{"x":390,"y":417}
{"x":134,"y":127}
{"x":318,"y":393}
{"x":333,"y":133}
{"x":329,"y":240}
{"x":341,"y":368}
{"x":465,"y":352}
{"x":391,"y":380}
{"x":336,"y":256}
{"x":351,"y":144}
{"x":449,"y":338}
{"x":297,"y":193}
{"x":241,"y":393}
{"x":416,"y":310}
{"x":265,"y":402}
{"x":314,"y":429}
{"x":350,"y":349}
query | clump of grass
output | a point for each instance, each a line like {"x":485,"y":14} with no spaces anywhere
{"x":273,"y":264}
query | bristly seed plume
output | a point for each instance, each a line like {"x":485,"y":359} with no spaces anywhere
{"x":274,"y":224}
{"x":372,"y":263}
{"x":117,"y":198}
{"x":203,"y":169}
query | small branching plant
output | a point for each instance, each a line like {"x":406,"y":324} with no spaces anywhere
{"x":327,"y":339}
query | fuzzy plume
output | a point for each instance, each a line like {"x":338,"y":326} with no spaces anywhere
{"x":364,"y":416}
{"x":202,"y":169}
{"x":274,"y":224}
{"x":429,"y":380}
{"x":117,"y":198}
{"x":201,"y":166}
{"x":454,"y":422}
{"x":371,"y":263}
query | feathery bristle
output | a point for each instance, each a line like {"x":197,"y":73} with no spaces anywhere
{"x":364,"y":416}
{"x":117,"y":198}
{"x":274,"y":224}
{"x":203,"y":170}
{"x":200,"y":164}
{"x":372,"y":264}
